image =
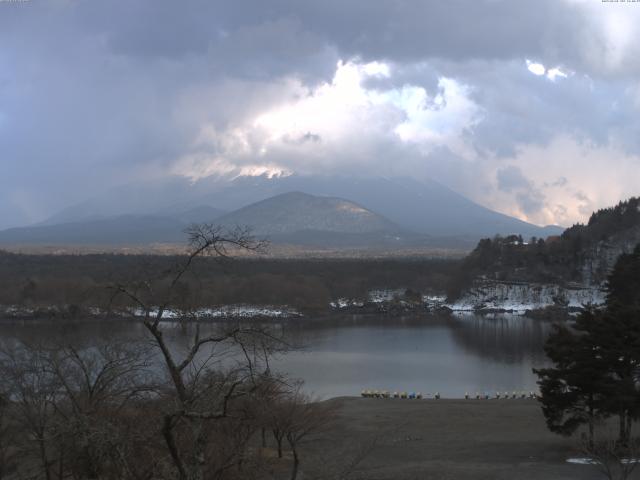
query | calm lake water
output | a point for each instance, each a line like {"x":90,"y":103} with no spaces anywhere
{"x":450,"y":354}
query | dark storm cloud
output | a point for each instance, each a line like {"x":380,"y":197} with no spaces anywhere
{"x":94,"y":94}
{"x":405,"y":30}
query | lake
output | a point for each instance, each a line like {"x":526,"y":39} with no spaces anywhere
{"x":449,"y":354}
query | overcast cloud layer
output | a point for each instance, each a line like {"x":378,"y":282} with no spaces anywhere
{"x":530,"y":108}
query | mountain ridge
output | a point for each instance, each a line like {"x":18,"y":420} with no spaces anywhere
{"x":113,"y":230}
{"x":425,"y":207}
{"x":285,"y":218}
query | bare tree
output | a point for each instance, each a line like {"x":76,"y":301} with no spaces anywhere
{"x":273,"y":388}
{"x":71,"y":409}
{"x":33,"y":390}
{"x":295,"y":417}
{"x":109,"y":373}
{"x":201,"y":387}
{"x":97,"y":384}
{"x":615,"y":460}
{"x":8,"y":460}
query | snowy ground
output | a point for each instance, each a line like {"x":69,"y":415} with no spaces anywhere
{"x":517,"y":298}
{"x":521,"y":297}
{"x":226,"y":311}
{"x":483,"y":297}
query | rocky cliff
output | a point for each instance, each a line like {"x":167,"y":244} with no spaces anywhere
{"x":570,"y":271}
{"x":599,"y":258}
{"x":517,"y":297}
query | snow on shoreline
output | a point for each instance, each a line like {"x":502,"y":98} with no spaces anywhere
{"x":484,"y":297}
{"x":522,"y":297}
{"x":229,"y":311}
{"x":592,"y":461}
{"x":222,"y":312}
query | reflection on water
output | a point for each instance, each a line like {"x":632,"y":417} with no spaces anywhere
{"x":503,"y":338}
{"x":451,"y":354}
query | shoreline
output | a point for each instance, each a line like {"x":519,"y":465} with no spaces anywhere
{"x":268,"y":313}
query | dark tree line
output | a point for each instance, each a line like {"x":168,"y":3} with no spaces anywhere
{"x":79,"y":282}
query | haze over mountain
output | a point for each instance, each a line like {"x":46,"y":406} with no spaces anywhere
{"x":127,"y":229}
{"x":118,"y":230}
{"x":421,"y":207}
{"x":292,"y":217}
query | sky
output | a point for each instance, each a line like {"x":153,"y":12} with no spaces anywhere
{"x":531,"y":108}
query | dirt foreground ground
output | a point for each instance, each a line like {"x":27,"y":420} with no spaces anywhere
{"x":449,"y":439}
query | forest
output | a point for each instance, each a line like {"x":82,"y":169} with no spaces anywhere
{"x":556,"y":259}
{"x":308,"y":285}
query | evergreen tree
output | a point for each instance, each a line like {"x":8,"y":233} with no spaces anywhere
{"x":596,"y":372}
{"x":619,"y":336}
{"x":572,"y":392}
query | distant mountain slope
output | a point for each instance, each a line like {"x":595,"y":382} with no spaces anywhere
{"x":141,"y":198}
{"x":291,"y":217}
{"x":295,"y":212}
{"x":424,"y":207}
{"x":200,"y":214}
{"x":121,"y":230}
{"x":115,"y":230}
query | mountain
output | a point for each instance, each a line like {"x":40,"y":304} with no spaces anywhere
{"x":115,"y":230}
{"x":142,"y":198}
{"x":295,"y":212}
{"x":302,"y":219}
{"x":120,"y":230}
{"x":424,"y":207}
{"x":292,"y":217}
